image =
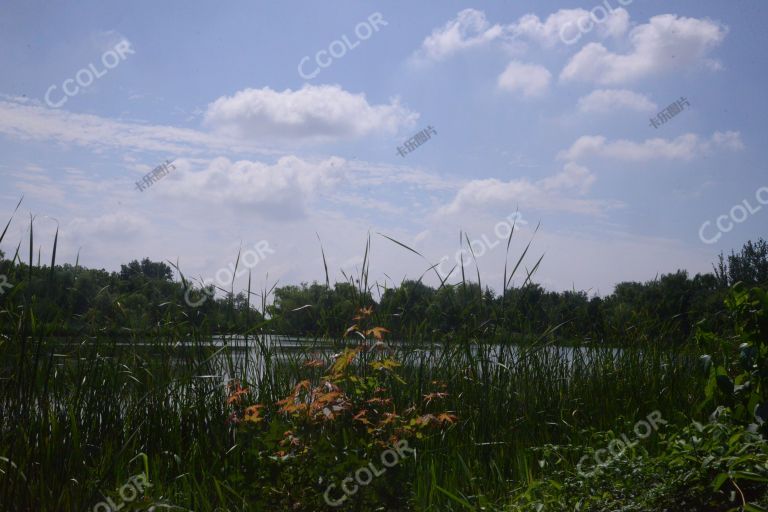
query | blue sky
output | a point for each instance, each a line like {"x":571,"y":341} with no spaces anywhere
{"x":530,"y":112}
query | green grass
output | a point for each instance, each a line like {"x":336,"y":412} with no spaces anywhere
{"x":80,"y":419}
{"x":80,"y":416}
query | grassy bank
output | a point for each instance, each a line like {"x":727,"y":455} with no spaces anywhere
{"x":213,"y":426}
{"x":79,"y":422}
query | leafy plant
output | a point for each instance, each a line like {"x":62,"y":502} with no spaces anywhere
{"x":738,"y":368}
{"x":329,"y":426}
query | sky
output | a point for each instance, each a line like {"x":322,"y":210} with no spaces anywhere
{"x":631,"y":132}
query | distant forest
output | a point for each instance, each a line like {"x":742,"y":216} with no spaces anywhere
{"x":143,"y":297}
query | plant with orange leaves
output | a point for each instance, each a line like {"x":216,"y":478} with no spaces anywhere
{"x":331,"y":424}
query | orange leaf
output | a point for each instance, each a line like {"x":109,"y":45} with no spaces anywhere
{"x":432,"y":396}
{"x":344,"y":360}
{"x":425,"y":420}
{"x":447,"y":418}
{"x":363,"y":313}
{"x":252,"y":413}
{"x":328,"y":397}
{"x":236,"y":394}
{"x":301,"y":385}
{"x":377,"y":332}
{"x":389,"y":417}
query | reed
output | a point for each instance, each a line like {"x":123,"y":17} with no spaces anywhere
{"x":80,"y":415}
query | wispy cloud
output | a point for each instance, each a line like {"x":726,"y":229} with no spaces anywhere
{"x":33,"y":122}
{"x":611,"y":100}
{"x":685,"y":147}
{"x":554,"y":193}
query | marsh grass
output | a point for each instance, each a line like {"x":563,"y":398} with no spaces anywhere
{"x":94,"y":415}
{"x":79,"y":416}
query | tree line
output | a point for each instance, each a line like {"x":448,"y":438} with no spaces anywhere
{"x":144,"y":297}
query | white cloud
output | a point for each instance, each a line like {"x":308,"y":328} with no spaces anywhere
{"x":292,"y":186}
{"x":35,"y":182}
{"x":117,"y":226}
{"x":574,"y":177}
{"x":616,"y":24}
{"x":27,"y":121}
{"x":561,"y":26}
{"x":243,"y":121}
{"x":728,"y":140}
{"x":548,"y":194}
{"x":279,"y":191}
{"x":322,"y":112}
{"x":685,"y":147}
{"x":610,"y":100}
{"x":529,"y":79}
{"x":666,"y":43}
{"x":469,"y":29}
{"x":367,"y":174}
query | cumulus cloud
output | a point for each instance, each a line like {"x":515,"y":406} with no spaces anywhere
{"x":324,"y":112}
{"x":616,"y":23}
{"x":529,"y":79}
{"x":279,"y":191}
{"x":610,"y":100}
{"x":562,"y":27}
{"x":469,"y":29}
{"x":667,"y":42}
{"x":685,"y":147}
{"x":550,"y":194}
{"x":290,"y":187}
